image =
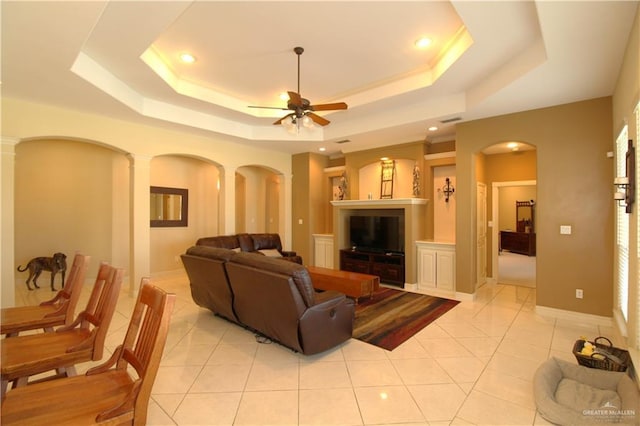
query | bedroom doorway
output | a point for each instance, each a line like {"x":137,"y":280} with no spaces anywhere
{"x":512,"y":266}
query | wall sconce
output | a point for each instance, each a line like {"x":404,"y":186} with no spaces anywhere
{"x":447,"y":189}
{"x":622,"y":192}
{"x":625,"y":185}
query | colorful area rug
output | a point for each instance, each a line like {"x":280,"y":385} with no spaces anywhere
{"x":392,"y":316}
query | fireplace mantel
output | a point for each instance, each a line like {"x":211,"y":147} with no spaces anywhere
{"x":380,"y":203}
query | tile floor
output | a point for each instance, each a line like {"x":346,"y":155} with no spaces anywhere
{"x":473,"y":366}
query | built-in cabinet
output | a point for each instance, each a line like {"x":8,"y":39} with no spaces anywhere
{"x":436,"y":265}
{"x":323,"y":250}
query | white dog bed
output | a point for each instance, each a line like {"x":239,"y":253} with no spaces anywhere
{"x":571,"y":394}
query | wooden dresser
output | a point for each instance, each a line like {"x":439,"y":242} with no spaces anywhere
{"x":518,"y":242}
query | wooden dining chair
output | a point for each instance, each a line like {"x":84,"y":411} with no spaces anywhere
{"x":58,"y":311}
{"x":80,"y":341}
{"x":116,"y":392}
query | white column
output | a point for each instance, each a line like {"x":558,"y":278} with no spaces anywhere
{"x":227,"y":221}
{"x":139,"y":262}
{"x":7,"y":224}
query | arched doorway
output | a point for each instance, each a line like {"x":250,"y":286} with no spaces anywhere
{"x":510,"y":171}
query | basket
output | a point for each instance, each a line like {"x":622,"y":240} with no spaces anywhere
{"x":613,"y":359}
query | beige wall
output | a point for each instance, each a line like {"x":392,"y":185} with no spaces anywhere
{"x":444,"y":212}
{"x":574,"y":188}
{"x":625,"y":99}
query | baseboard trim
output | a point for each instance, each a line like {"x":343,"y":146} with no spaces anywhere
{"x":574,"y":316}
{"x":456,"y":295}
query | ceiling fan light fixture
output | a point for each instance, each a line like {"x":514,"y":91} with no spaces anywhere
{"x":287,"y":122}
{"x":307,"y":122}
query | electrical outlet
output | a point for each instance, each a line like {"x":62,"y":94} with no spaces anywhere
{"x":579,"y":293}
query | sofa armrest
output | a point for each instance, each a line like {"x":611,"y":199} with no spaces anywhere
{"x":327,"y":323}
{"x":328,"y":297}
{"x":286,"y":253}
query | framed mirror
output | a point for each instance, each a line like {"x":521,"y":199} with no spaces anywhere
{"x":525,"y":216}
{"x":169,"y":207}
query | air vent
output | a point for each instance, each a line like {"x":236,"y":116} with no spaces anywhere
{"x":451,"y":120}
{"x":344,"y":141}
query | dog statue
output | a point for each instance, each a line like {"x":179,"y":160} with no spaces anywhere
{"x":55,"y":264}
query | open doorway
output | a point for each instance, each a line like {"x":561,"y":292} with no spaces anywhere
{"x":514,"y":219}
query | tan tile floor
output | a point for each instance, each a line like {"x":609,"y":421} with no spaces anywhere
{"x":474,"y":365}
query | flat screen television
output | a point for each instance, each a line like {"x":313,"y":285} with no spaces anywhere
{"x":384,"y":234}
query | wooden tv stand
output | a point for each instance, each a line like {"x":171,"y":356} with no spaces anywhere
{"x":388,"y":266}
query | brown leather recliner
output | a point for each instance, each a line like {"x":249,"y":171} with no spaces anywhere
{"x":271,"y":297}
{"x":208,"y":279}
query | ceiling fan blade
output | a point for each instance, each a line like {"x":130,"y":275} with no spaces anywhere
{"x":317,"y":119}
{"x":268,"y":107}
{"x":288,"y":115}
{"x":328,"y":107}
{"x":295,"y":99}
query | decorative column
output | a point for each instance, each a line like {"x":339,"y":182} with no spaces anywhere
{"x":7,"y":224}
{"x":286,"y":201}
{"x":139,"y":261}
{"x":227,"y":220}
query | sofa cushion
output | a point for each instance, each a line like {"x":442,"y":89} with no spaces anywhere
{"x":246,"y":242}
{"x":299,"y":273}
{"x":266,"y":241}
{"x":215,"y":253}
{"x":221,"y":241}
{"x":270,"y":252}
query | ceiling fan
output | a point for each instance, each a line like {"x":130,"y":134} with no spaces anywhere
{"x":303,"y":111}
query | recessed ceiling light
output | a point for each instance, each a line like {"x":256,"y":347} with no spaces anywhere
{"x":423,"y":42}
{"x":512,"y":145}
{"x":187,"y":58}
{"x":433,"y":128}
{"x":322,"y":149}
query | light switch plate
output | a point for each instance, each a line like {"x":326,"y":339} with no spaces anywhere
{"x":565,"y":229}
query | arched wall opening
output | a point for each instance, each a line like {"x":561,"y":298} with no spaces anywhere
{"x":507,"y":176}
{"x":258,"y":195}
{"x":201,"y":179}
{"x":69,"y":197}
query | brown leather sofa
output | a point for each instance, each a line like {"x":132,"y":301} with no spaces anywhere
{"x":265,"y":243}
{"x":273,"y":298}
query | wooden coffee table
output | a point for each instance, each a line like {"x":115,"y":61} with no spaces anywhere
{"x":353,"y":284}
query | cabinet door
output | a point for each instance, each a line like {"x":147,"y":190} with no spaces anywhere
{"x":323,"y":251}
{"x":445,"y":268}
{"x":426,"y":268}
